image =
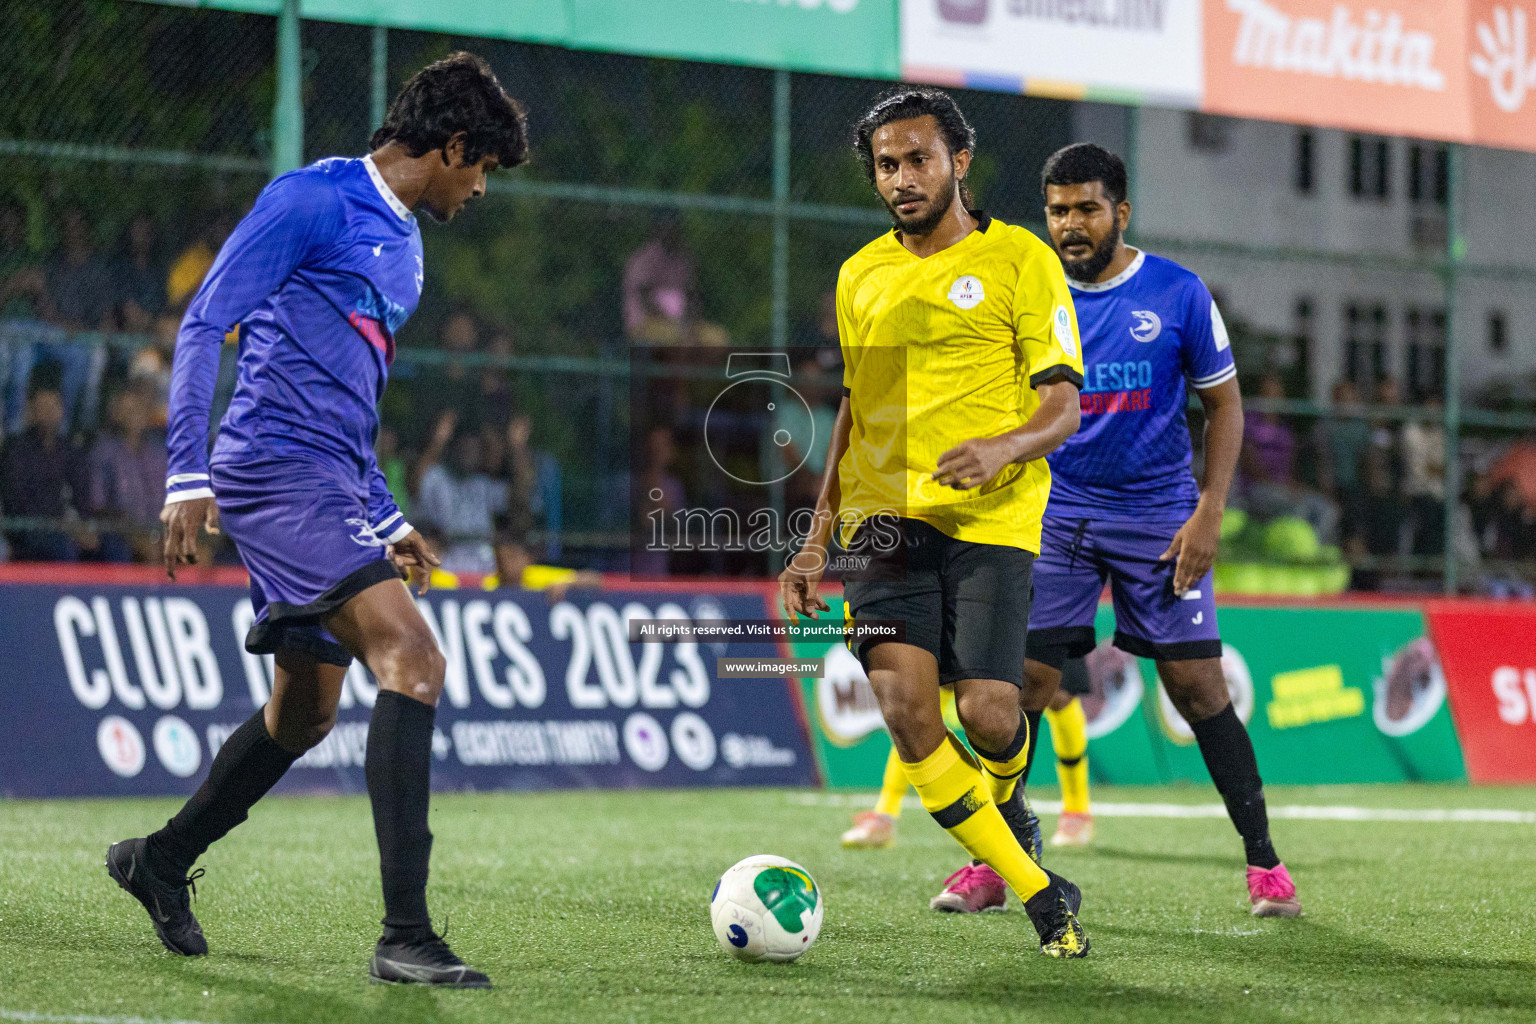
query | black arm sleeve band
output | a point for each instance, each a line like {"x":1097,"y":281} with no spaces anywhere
{"x":1061,"y":370}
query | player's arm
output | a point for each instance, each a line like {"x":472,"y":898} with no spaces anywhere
{"x":290,"y":218}
{"x":974,"y":463}
{"x":1208,"y":364}
{"x":408,"y":549}
{"x":1195,"y":544}
{"x":800,"y":579}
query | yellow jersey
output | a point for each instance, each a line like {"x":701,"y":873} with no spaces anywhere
{"x":941,"y":350}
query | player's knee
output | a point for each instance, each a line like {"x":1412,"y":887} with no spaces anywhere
{"x":989,"y":722}
{"x":316,"y":730}
{"x":413,"y":665}
{"x":1197,"y":699}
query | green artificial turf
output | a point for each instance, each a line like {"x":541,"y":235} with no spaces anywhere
{"x":593,"y":906}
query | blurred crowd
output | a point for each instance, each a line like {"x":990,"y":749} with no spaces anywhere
{"x":1372,"y":483}
{"x":82,"y":464}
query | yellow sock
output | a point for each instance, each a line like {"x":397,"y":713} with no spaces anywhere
{"x":1003,"y":769}
{"x":1069,"y":735}
{"x":893,"y":788}
{"x":950,"y":785}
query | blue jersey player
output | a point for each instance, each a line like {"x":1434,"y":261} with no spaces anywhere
{"x":1125,"y":508}
{"x":318,"y":279}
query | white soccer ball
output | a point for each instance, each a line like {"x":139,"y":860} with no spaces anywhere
{"x":766,"y":908}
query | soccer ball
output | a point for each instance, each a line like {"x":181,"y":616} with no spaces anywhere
{"x":766,"y":908}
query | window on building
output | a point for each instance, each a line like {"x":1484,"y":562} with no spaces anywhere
{"x":1209,"y":133}
{"x":1426,"y":352}
{"x":1365,"y":343}
{"x":1369,"y":167}
{"x":1498,"y":332}
{"x":1429,"y":172}
{"x":1302,"y":175}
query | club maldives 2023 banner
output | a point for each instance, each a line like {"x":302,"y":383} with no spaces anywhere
{"x":130,"y":690}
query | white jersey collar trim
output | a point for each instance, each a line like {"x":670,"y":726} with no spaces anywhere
{"x":1114,"y":282}
{"x":401,"y":210}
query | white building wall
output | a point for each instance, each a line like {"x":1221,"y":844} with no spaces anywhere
{"x":1241,"y":195}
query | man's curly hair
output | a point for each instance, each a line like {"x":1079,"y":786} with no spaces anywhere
{"x":457,"y":94}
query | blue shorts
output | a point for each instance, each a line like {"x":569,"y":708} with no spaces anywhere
{"x":303,"y":533}
{"x":1077,"y":557}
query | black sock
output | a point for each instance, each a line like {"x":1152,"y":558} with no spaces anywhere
{"x":248,"y":764}
{"x":398,"y":767}
{"x":1033,"y":717}
{"x":1228,"y":754}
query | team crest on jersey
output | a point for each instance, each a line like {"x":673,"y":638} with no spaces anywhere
{"x":1147,"y":327}
{"x":967,"y":292}
{"x":1061,"y":325}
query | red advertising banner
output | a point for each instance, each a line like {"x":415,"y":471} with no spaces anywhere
{"x":1488,"y":652}
{"x":1460,"y":70}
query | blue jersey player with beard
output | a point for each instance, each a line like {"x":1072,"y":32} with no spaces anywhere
{"x":1125,"y":508}
{"x":317,"y":280}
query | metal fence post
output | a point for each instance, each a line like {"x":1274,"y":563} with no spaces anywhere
{"x":288,"y":107}
{"x":379,"y":97}
{"x":1455,"y":253}
{"x":780,"y":296}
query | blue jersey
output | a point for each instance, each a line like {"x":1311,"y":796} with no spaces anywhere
{"x":318,"y":278}
{"x":1145,"y":333}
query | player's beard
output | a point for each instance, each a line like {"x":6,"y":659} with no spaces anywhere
{"x":934,"y":216}
{"x":1088,"y":269}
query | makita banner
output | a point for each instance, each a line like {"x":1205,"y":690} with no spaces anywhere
{"x":1460,"y":70}
{"x":116,"y":690}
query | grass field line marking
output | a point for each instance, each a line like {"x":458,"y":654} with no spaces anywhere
{"x":73,"y":1018}
{"x":1293,"y":811}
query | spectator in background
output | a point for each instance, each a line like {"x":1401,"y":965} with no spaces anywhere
{"x":800,"y":431}
{"x":140,"y":278}
{"x":517,"y":567}
{"x":534,"y":475}
{"x":42,"y":475}
{"x":454,"y":387}
{"x":1341,"y":441}
{"x":192,"y":264}
{"x":659,"y":497}
{"x":495,"y":400}
{"x":386,"y":448}
{"x":1423,"y":458}
{"x":1269,"y":451}
{"x":460,"y":500}
{"x":23,"y":292}
{"x":661,"y":292}
{"x":1376,"y":521}
{"x":77,"y":297}
{"x":127,"y":480}
{"x":1386,"y":431}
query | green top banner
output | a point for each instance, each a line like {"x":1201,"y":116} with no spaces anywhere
{"x":843,"y":37}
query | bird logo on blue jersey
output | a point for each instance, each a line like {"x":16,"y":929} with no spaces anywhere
{"x":1148,"y":325}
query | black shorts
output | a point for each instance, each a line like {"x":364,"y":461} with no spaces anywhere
{"x":1074,"y":678}
{"x":967,"y":604}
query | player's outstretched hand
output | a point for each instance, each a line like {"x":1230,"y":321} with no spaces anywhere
{"x":799,"y":581}
{"x":182,"y":520}
{"x":971,"y":463}
{"x":1194,"y":548}
{"x":413,"y":556}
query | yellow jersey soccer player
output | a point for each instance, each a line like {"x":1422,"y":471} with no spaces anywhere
{"x":962,"y":369}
